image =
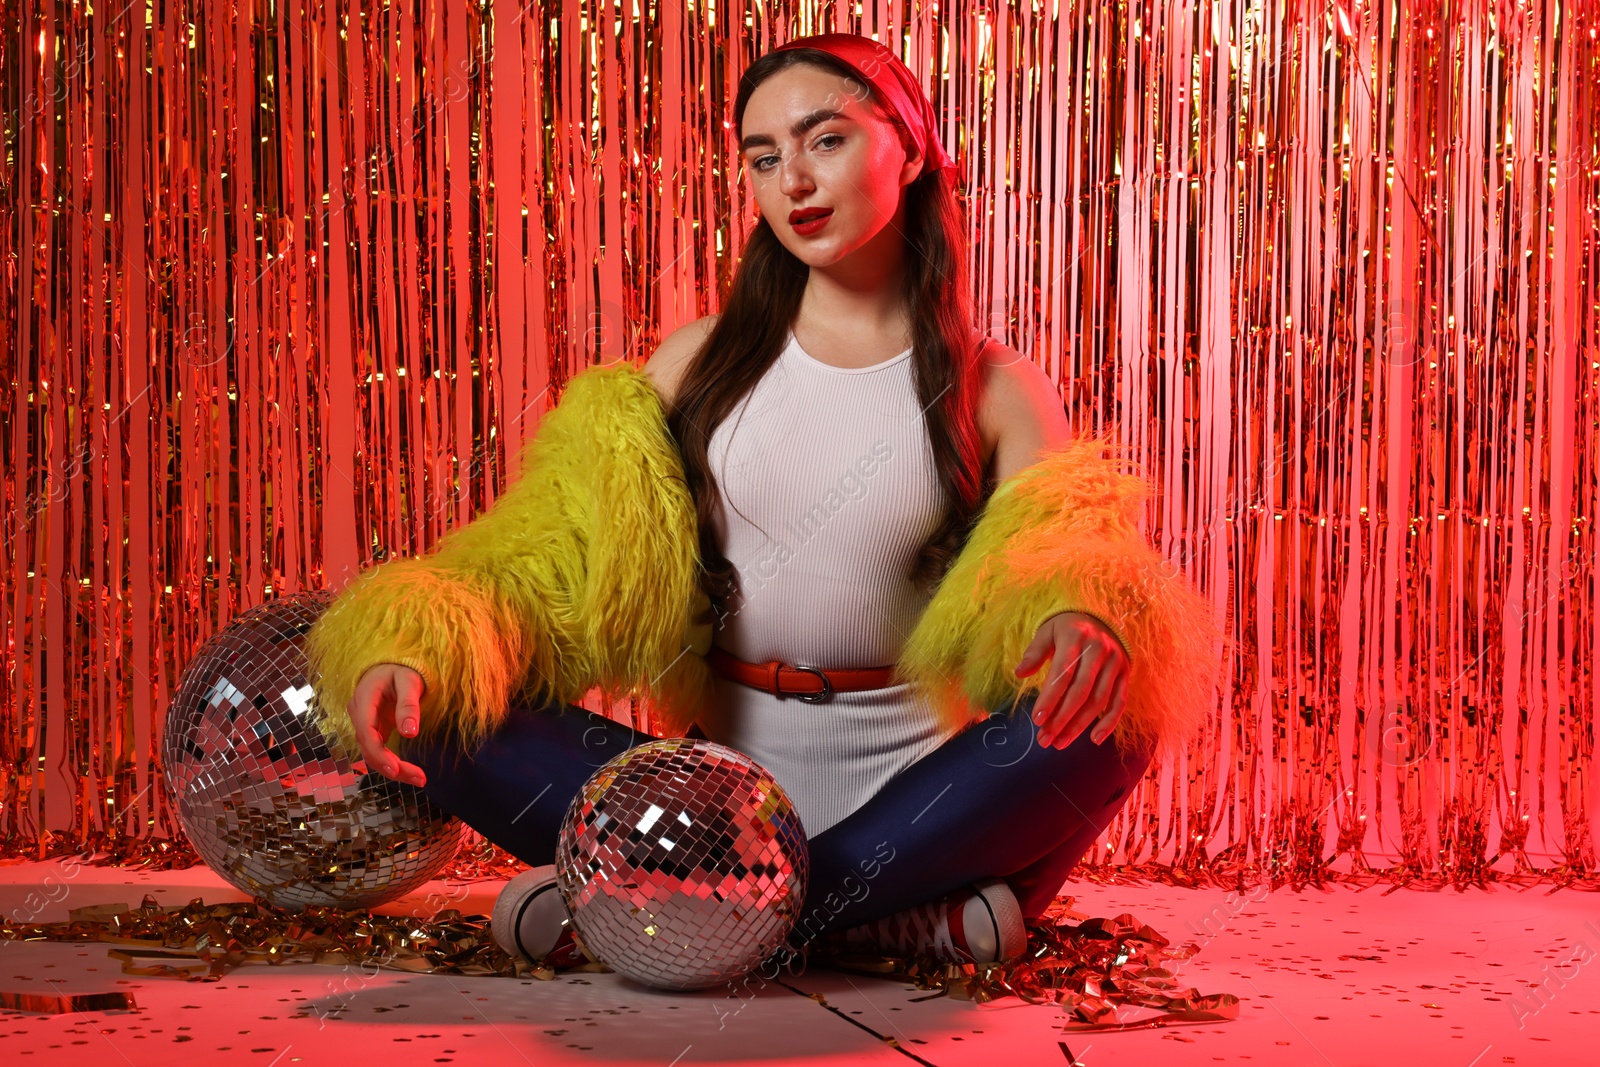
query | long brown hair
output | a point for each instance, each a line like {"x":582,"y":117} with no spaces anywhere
{"x":761,"y":306}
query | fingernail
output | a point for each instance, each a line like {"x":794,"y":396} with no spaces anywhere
{"x":409,"y":727}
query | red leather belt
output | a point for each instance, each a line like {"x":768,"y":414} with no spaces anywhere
{"x":811,"y":684}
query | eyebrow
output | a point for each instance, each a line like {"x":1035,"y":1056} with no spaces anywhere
{"x":816,"y":118}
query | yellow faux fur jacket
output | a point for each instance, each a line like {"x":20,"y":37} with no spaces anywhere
{"x":582,"y":576}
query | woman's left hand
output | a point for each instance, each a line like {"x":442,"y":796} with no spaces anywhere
{"x":1088,"y":678}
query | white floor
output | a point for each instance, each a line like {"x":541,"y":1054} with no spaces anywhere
{"x":1340,"y":978}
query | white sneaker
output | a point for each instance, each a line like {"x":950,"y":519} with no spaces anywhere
{"x":979,"y":923}
{"x":531,"y":919}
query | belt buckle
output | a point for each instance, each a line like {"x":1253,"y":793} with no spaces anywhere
{"x":815,"y":698}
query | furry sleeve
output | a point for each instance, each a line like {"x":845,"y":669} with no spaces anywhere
{"x":548,"y":593}
{"x":1061,"y":535}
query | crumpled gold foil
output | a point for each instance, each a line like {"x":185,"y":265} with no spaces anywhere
{"x":1103,"y":972}
{"x":202,"y":942}
{"x":478,"y":859}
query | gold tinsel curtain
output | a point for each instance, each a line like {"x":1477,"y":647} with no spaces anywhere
{"x":287,"y":285}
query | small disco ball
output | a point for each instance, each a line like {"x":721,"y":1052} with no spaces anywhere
{"x":266,"y":799}
{"x":683,"y":862}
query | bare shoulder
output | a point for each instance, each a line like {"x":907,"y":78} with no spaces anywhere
{"x":667,"y":363}
{"x":1021,"y":414}
{"x":1024,"y":380}
{"x":1008,"y":378}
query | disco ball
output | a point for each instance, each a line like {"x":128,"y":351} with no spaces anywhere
{"x":268,"y":802}
{"x":683,"y":862}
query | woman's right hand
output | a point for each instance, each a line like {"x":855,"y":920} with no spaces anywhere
{"x":387,"y":696}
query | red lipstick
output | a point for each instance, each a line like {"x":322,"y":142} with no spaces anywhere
{"x":808,"y":220}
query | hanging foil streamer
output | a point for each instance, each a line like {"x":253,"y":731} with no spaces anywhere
{"x":288,"y":286}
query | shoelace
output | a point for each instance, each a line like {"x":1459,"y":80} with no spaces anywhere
{"x":922,"y":926}
{"x":935,"y":927}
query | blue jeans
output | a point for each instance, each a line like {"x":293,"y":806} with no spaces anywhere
{"x":988,"y":802}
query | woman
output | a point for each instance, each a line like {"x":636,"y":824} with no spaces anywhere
{"x":840,"y":429}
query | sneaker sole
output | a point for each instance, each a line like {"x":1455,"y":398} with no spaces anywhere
{"x":1006,"y":914}
{"x":512,"y":905}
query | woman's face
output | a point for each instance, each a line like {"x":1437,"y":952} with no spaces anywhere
{"x":853,"y":163}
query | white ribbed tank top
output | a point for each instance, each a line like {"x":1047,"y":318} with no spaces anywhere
{"x":827,"y":489}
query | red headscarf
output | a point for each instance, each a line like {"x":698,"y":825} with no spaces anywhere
{"x":893,"y":83}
